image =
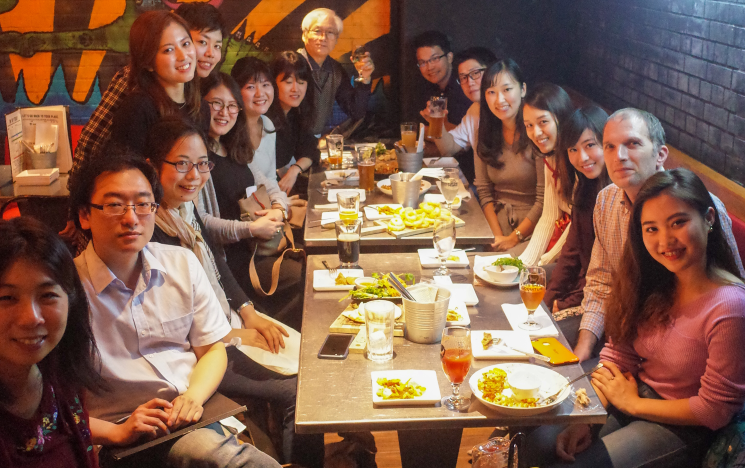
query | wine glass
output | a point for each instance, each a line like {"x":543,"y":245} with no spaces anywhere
{"x":357,"y":56}
{"x":449,"y":186}
{"x":455,"y":355}
{"x":443,"y":237}
{"x":532,"y":289}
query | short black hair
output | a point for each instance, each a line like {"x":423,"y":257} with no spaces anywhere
{"x":203,"y":16}
{"x":484,"y":56}
{"x":432,"y":39}
{"x":114,"y":158}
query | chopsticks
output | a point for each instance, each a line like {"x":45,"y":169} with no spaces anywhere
{"x":400,"y":287}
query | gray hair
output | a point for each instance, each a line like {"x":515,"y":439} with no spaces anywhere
{"x":655,"y":132}
{"x":318,"y":15}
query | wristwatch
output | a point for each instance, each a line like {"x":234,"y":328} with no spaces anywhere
{"x":519,"y":235}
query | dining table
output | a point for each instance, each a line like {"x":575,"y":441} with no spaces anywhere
{"x":336,"y":395}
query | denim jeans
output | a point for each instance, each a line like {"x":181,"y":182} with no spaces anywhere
{"x":627,"y":442}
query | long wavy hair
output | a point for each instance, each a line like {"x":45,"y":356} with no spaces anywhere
{"x":144,"y":43}
{"x":74,"y":363}
{"x":583,"y":195}
{"x":643,"y":290}
{"x":491,"y":140}
{"x":289,"y":63}
{"x":236,"y":142}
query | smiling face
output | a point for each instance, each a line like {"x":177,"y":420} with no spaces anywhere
{"x":290,"y":91}
{"x":176,"y":59}
{"x":435,"y":70}
{"x":471,"y":88}
{"x":675,"y":234}
{"x":181,"y":187}
{"x":33,"y":315}
{"x":504,"y":97}
{"x":257,"y":97}
{"x":321,"y":38}
{"x":208,"y":46}
{"x":222,"y":121}
{"x":587,"y":155}
{"x":541,"y":127}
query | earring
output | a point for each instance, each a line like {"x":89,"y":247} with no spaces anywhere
{"x":711,"y":227}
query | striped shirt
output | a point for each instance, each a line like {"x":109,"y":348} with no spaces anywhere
{"x":611,"y":220}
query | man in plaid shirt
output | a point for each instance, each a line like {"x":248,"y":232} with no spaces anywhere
{"x":634,"y":149}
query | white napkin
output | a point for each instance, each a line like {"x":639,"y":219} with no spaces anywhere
{"x":517,"y":314}
{"x":420,"y":143}
{"x":286,"y":362}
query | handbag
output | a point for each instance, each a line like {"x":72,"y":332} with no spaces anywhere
{"x":281,"y":243}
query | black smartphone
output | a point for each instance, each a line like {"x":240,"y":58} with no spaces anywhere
{"x":336,"y":346}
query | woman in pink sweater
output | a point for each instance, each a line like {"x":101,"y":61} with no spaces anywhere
{"x":674,"y":364}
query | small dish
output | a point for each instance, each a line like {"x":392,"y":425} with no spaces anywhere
{"x":425,"y":378}
{"x":478,"y":270}
{"x":524,"y":385}
{"x":501,"y":273}
{"x":364,"y":281}
{"x":322,"y":281}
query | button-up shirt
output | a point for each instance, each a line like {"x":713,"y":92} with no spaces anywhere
{"x":611,"y":219}
{"x":145,"y":336}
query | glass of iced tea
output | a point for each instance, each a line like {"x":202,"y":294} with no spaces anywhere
{"x":532,"y":290}
{"x":348,"y":242}
{"x":455,"y":355}
{"x":335,"y":148}
{"x":437,"y":107}
{"x":366,"y":168}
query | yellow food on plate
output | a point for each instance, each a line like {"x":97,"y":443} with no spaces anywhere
{"x":355,"y":315}
{"x":493,"y":382}
{"x":394,"y":389}
{"x":387,"y":210}
{"x":453,"y":258}
{"x":396,"y":224}
{"x":487,"y":340}
{"x":453,"y":316}
{"x":385,"y":187}
{"x":582,"y":397}
{"x":342,"y":280}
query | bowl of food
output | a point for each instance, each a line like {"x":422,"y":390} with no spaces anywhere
{"x":502,"y":273}
{"x":524,"y":385}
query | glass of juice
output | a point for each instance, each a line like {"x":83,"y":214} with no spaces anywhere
{"x":349,"y":206}
{"x":408,"y":136}
{"x":455,"y":355}
{"x":532,"y":289}
{"x":437,"y":107}
{"x":348,"y":242}
{"x":335,"y":148}
{"x":366,"y":168}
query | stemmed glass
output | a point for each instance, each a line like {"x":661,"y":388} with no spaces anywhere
{"x":532,"y":289}
{"x":449,"y":186}
{"x":443,"y":237}
{"x":455,"y":355}
{"x":357,"y":56}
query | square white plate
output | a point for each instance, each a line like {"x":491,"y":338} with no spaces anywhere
{"x":333,"y":192}
{"x":516,"y":339}
{"x":464,"y":292}
{"x":425,"y":378}
{"x":440,"y":198}
{"x":323,"y":282}
{"x":460,"y":307}
{"x":371,"y":211}
{"x":340,"y":174}
{"x":517,"y":314}
{"x":429,"y":259}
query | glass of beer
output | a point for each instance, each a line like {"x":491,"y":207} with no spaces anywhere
{"x":437,"y":107}
{"x":449,"y":185}
{"x":455,"y":355}
{"x":348,"y":242}
{"x":349,"y":206}
{"x":408,"y":136}
{"x":532,"y":289}
{"x":335,"y":148}
{"x":366,"y":168}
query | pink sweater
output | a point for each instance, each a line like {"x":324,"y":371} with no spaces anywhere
{"x":701,"y":356}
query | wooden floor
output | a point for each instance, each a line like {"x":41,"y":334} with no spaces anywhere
{"x":389,"y":457}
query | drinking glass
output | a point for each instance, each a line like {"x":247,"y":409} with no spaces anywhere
{"x":349,"y":206}
{"x":443,"y":237}
{"x":408,"y":136}
{"x":455,"y":355}
{"x":366,"y":168}
{"x":532,"y":289}
{"x":335,"y":148}
{"x":449,"y":185}
{"x":437,"y":107}
{"x":379,"y":318}
{"x":357,"y":56}
{"x":348,"y":242}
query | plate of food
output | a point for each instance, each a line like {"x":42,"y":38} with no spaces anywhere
{"x":343,"y":174}
{"x":440,"y":198}
{"x":457,"y":313}
{"x":380,"y":289}
{"x":386,"y":161}
{"x":356,"y":312}
{"x":373,"y":212}
{"x":405,"y":387}
{"x":428,"y":258}
{"x":483,"y":346}
{"x":385,"y":187}
{"x":343,"y":280}
{"x":489,"y":271}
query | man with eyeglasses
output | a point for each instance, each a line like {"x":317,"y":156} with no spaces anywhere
{"x":157,"y":322}
{"x":321,"y":30}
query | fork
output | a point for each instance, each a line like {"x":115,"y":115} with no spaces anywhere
{"x":551,"y":398}
{"x":497,"y":341}
{"x":332,"y":271}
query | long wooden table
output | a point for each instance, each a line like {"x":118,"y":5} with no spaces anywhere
{"x":337,"y":395}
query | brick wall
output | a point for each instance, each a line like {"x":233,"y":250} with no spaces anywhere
{"x":682,"y":60}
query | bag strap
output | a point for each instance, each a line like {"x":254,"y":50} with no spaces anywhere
{"x":275,"y":267}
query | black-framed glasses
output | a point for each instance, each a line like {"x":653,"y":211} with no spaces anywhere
{"x":187,"y":166}
{"x":322,"y":32}
{"x":217,"y":106}
{"x":473,"y":75}
{"x":118,"y":209}
{"x":431,"y":61}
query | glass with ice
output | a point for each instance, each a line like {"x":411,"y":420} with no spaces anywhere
{"x":379,"y":318}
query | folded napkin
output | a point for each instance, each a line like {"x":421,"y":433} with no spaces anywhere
{"x":286,"y":362}
{"x":517,"y":314}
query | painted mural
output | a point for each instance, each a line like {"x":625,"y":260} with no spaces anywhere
{"x":65,"y":52}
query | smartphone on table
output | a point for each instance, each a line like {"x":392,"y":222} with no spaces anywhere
{"x":336,"y":346}
{"x":552,"y":348}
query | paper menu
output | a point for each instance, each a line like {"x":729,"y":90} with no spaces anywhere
{"x":22,"y":125}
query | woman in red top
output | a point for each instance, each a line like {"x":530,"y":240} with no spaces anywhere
{"x":46,"y":351}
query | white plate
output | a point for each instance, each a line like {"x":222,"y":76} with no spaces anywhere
{"x":396,"y":314}
{"x":422,"y":189}
{"x":429,"y":259}
{"x":459,"y":306}
{"x":551,"y":380}
{"x":464,"y":292}
{"x":371,"y":212}
{"x":425,"y":378}
{"x":333,"y":192}
{"x":440,"y":162}
{"x":484,"y":276}
{"x":323,"y":282}
{"x":351,"y":174}
{"x":440,"y":198}
{"x":515,"y":339}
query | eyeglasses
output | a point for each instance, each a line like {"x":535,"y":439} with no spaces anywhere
{"x":322,"y":32}
{"x":187,"y":166}
{"x":217,"y":106}
{"x":118,"y":209}
{"x":431,"y":61}
{"x":473,"y":75}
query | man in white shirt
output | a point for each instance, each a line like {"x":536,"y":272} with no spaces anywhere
{"x":157,"y":322}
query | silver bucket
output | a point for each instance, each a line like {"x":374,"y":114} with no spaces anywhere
{"x":409,"y":162}
{"x":426,"y":318}
{"x":405,"y":191}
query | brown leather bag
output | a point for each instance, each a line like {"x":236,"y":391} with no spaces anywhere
{"x":282,"y":242}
